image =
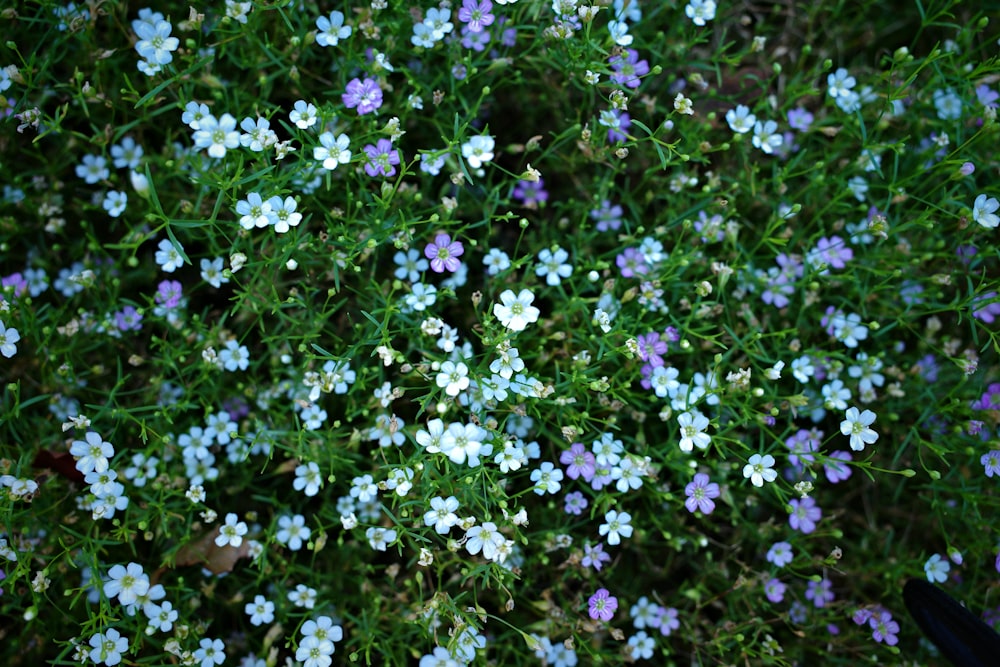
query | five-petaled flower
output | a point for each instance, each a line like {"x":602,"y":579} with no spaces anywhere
{"x":444,"y":253}
{"x":515,"y":310}
{"x":857,"y":426}
{"x":602,"y":605}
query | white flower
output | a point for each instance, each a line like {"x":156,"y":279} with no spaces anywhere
{"x":260,"y":611}
{"x":332,"y":29}
{"x":442,"y":514}
{"x":8,"y":339}
{"x":168,"y":256}
{"x":857,"y":425}
{"x":700,"y":11}
{"x":231,"y":532}
{"x":693,"y":425}
{"x":937,"y":569}
{"x":234,"y":356}
{"x":217,"y":135}
{"x":303,"y":115}
{"x":766,"y":136}
{"x":760,"y":469}
{"x":127,"y":583}
{"x":485,"y":538}
{"x":107,"y":647}
{"x":464,"y":442}
{"x":334,"y":151}
{"x":616,"y":525}
{"x":307,"y":479}
{"x":93,"y":454}
{"x":292,"y":531}
{"x":431,"y":438}
{"x":547,"y":478}
{"x":840,"y":83}
{"x":283,"y":213}
{"x":740,"y":119}
{"x":453,"y":378}
{"x":478,"y":149}
{"x":379,"y":538}
{"x":515,"y":311}
{"x":211,"y":272}
{"x":983,"y":212}
{"x":553,"y":266}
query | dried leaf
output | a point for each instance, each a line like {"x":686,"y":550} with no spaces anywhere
{"x":206,"y":553}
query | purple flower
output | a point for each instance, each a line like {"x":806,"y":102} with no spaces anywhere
{"x":15,"y":281}
{"x":628,"y":69}
{"x":833,"y":251}
{"x":667,"y":621}
{"x":168,"y":294}
{"x":835,"y":470}
{"x":575,"y":503}
{"x":802,"y":445}
{"x":632,"y":262}
{"x":819,"y":592}
{"x":476,"y":41}
{"x":620,"y":124}
{"x":382,"y":158}
{"x":579,"y":462}
{"x":128,"y":319}
{"x":991,"y":463}
{"x":775,"y":590}
{"x":700,"y":493}
{"x":594,"y":556}
{"x":602,"y":604}
{"x":990,"y":400}
{"x":967,"y":169}
{"x":986,"y":95}
{"x":444,"y":254}
{"x":530,"y":193}
{"x":651,"y":347}
{"x":804,"y":515}
{"x":884,"y":629}
{"x":989,"y":312}
{"x":365,"y":95}
{"x":799,"y":119}
{"x":607,"y":217}
{"x":861,"y":616}
{"x":780,"y":554}
{"x":602,"y":477}
{"x":476,"y":14}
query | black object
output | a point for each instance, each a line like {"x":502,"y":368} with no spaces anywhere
{"x":961,"y":636}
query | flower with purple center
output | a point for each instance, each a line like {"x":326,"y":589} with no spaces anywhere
{"x":579,"y":462}
{"x":444,"y":254}
{"x":364,"y":95}
{"x":381,"y":158}
{"x":774,"y":589}
{"x":700,"y":492}
{"x":819,"y":592}
{"x":804,"y":515}
{"x":602,"y":605}
{"x":594,"y":557}
{"x":477,"y":15}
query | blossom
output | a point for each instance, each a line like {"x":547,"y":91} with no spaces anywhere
{"x":453,"y":378}
{"x":307,"y":479}
{"x":495,"y":261}
{"x":616,"y":525}
{"x":515,"y":311}
{"x":760,"y":469}
{"x":380,"y":538}
{"x":210,"y":652}
{"x":234,"y":356}
{"x":485,"y":538}
{"x":819,"y":592}
{"x":840,"y":83}
{"x":254,"y":211}
{"x":444,"y":253}
{"x":365,"y":95}
{"x":693,"y":425}
{"x":333,"y":151}
{"x":936,"y":568}
{"x":602,"y":605}
{"x":579,"y":462}
{"x":442,"y":514}
{"x":700,"y":492}
{"x":155,"y":44}
{"x":983,"y":211}
{"x":478,"y":150}
{"x":283,"y":213}
{"x":700,"y":11}
{"x":804,"y":514}
{"x":217,"y":135}
{"x":856,"y":425}
{"x":553,"y":265}
{"x":92,"y":454}
{"x":332,"y":29}
{"x":766,"y":136}
{"x":780,"y":554}
{"x":547,"y":478}
{"x":260,"y":611}
{"x":303,"y":114}
{"x":990,"y":460}
{"x":641,"y":646}
{"x":126,"y":582}
{"x":9,"y":338}
{"x":93,"y":170}
{"x":476,"y":14}
{"x":382,"y":158}
{"x":258,"y":134}
{"x":231,"y":532}
{"x":292,"y":531}
{"x":884,"y":629}
{"x":107,"y":647}
{"x":774,"y":590}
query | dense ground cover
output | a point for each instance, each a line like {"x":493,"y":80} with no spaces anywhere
{"x":514,"y":333}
